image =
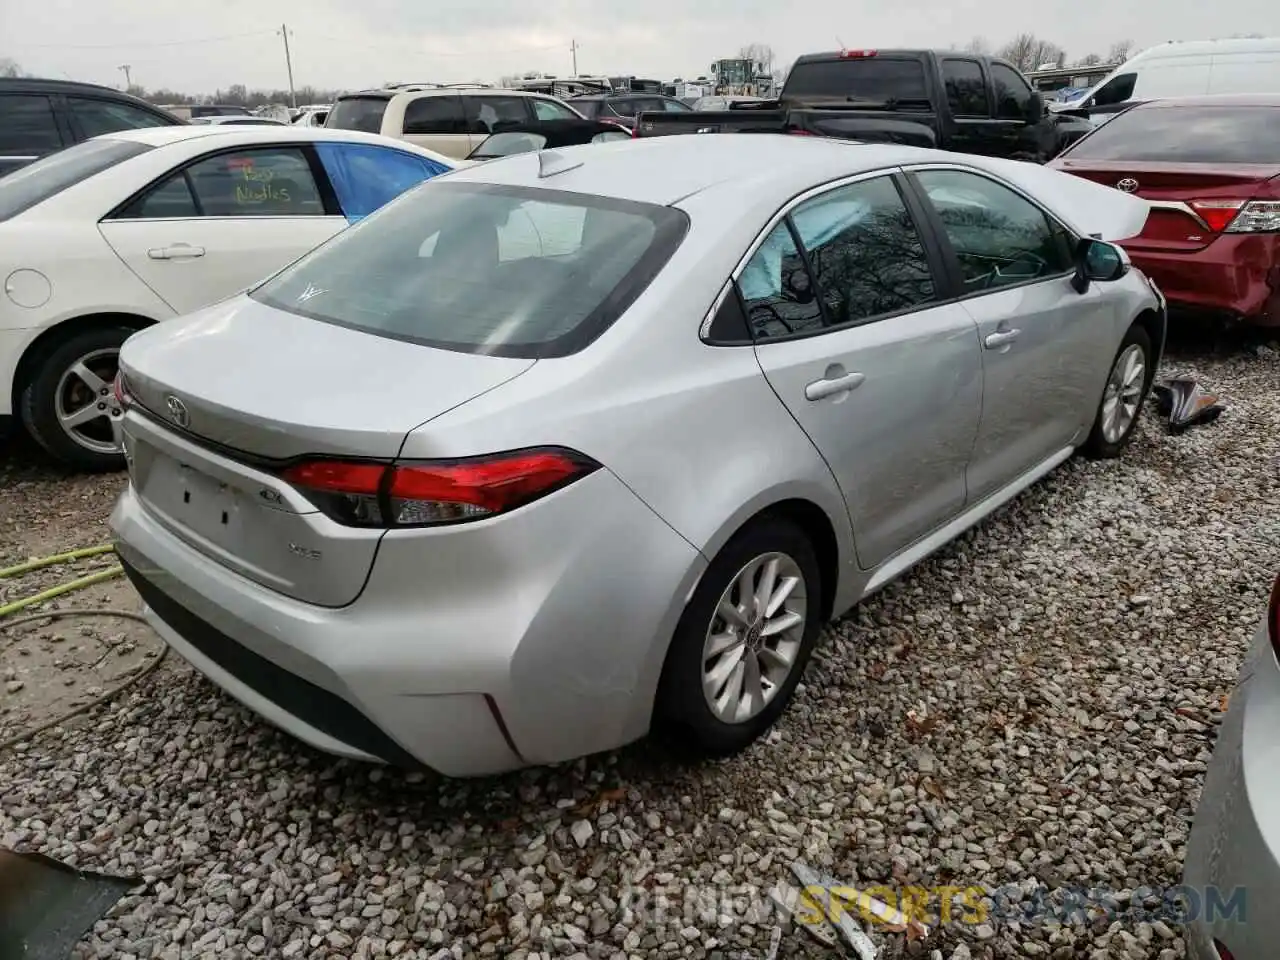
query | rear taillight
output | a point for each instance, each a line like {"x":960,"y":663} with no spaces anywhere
{"x":429,"y":493}
{"x":1239,"y":216}
{"x":1273,"y":617}
{"x":124,"y":399}
{"x":795,"y":132}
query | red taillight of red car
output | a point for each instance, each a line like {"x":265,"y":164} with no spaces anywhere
{"x":430,"y":493}
{"x":1239,"y":216}
{"x":1273,"y":617}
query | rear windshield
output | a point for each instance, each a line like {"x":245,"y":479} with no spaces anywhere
{"x":480,"y":268}
{"x":1186,"y":135}
{"x":37,"y":182}
{"x":358,"y":113}
{"x":870,"y":78}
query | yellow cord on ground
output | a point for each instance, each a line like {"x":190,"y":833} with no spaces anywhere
{"x":78,"y":584}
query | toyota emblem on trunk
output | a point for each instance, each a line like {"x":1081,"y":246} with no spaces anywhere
{"x":1127,"y":185}
{"x":177,"y":411}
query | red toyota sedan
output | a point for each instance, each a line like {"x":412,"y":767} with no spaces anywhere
{"x":1210,"y":168}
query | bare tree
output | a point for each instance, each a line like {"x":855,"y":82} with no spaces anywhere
{"x":760,"y":53}
{"x":1120,"y":51}
{"x":1027,"y":52}
{"x":978,"y":45}
{"x":1089,"y":60}
{"x":9,"y":68}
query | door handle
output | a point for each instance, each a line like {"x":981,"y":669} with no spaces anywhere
{"x":830,"y":386}
{"x":1001,"y":338}
{"x":177,"y":251}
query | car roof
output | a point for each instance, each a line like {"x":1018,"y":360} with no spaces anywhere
{"x":8,"y":84}
{"x":251,"y":133}
{"x":1218,"y":100}
{"x":666,"y":170}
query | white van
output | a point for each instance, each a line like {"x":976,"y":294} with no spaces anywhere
{"x":1185,"y":68}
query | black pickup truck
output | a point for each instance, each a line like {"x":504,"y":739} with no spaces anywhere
{"x":925,"y":98}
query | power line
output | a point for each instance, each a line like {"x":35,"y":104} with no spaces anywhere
{"x":411,"y":47}
{"x":131,"y":46}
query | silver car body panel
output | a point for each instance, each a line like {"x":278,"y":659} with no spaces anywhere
{"x":562,"y":610}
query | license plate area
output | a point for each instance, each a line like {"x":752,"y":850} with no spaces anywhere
{"x":212,"y":509}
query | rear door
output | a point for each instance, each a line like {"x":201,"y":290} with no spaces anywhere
{"x":223,"y":222}
{"x":437,"y":123}
{"x":845,"y":300}
{"x":969,"y":103}
{"x":29,"y":130}
{"x":1045,"y":348}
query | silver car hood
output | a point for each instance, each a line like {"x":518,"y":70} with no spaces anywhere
{"x":252,"y":378}
{"x":1089,"y":209}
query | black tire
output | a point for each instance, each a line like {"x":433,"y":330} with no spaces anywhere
{"x":1097,"y":446}
{"x":38,"y":402}
{"x":682,"y":714}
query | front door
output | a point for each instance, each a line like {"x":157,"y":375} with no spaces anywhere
{"x":221,"y":224}
{"x":885,"y":380}
{"x":1043,"y":343}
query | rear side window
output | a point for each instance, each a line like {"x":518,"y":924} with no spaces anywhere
{"x":428,"y":116}
{"x":588,"y":108}
{"x":96,"y":117}
{"x":485,"y":113}
{"x":1013,"y":95}
{"x":550,"y":110}
{"x":479,"y":268}
{"x":41,"y":180}
{"x":27,"y":126}
{"x":966,"y":90}
{"x":1186,"y":135}
{"x":870,"y":78}
{"x":365,"y":177}
{"x":776,"y":290}
{"x":272,"y":182}
{"x":358,"y":113}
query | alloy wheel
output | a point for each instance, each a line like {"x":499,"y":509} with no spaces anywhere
{"x":1123,"y":395}
{"x":754,"y":639}
{"x":85,"y":403}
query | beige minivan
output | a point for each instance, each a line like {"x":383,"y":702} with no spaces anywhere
{"x":452,"y":120}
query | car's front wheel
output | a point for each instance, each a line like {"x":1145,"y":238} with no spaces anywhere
{"x":68,"y":405}
{"x":743,"y":642}
{"x":1131,"y":374}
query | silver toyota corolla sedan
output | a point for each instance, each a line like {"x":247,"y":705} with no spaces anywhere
{"x":1232,"y":875}
{"x":573,"y":444}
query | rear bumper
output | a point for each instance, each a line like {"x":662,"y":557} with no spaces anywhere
{"x":1237,"y":275}
{"x":531,"y":638}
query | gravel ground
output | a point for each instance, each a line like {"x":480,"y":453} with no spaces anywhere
{"x":1030,"y":711}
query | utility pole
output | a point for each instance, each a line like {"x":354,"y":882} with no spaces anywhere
{"x":288,"y":63}
{"x":573,"y":49}
{"x":128,"y":84}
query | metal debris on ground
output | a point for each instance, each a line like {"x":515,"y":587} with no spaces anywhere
{"x":775,"y":941}
{"x":1186,"y":403}
{"x":820,"y":888}
{"x":47,"y":906}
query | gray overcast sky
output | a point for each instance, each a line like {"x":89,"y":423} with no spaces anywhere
{"x":355,"y":43}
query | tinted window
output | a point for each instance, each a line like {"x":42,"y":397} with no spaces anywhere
{"x":588,"y":108}
{"x":97,"y":117}
{"x":171,"y":199}
{"x":675,"y":106}
{"x":358,"y":113}
{"x":1187,"y":135}
{"x":627,"y":108}
{"x":27,"y":125}
{"x":550,"y":110}
{"x":38,"y":182}
{"x":711,"y":103}
{"x":273,"y":182}
{"x":966,"y":90}
{"x":434,"y":115}
{"x":866,"y":79}
{"x":999,"y":237}
{"x":508,"y":271}
{"x":485,"y":113}
{"x":365,"y":176}
{"x":219,"y":111}
{"x":1012,"y":92}
{"x":777,"y":290}
{"x":1116,"y":90}
{"x":865,"y":253}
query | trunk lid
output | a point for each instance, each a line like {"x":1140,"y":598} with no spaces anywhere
{"x":1173,"y":190}
{"x":255,"y":386}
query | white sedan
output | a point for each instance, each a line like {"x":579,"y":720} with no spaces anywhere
{"x":125,"y":230}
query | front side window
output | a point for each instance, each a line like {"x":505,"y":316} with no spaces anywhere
{"x":776,"y":289}
{"x":966,"y":90}
{"x":999,"y":237}
{"x":865,"y":252}
{"x":271,"y":182}
{"x":97,"y":117}
{"x":365,"y":177}
{"x":485,"y":113}
{"x":27,"y":125}
{"x":1116,"y":90}
{"x":1013,"y":96}
{"x":588,"y":108}
{"x":550,"y":110}
{"x":675,"y":106}
{"x":478,"y":268}
{"x":428,"y":116}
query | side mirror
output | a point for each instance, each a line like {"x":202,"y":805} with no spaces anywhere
{"x":1098,"y":260}
{"x":1035,"y":108}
